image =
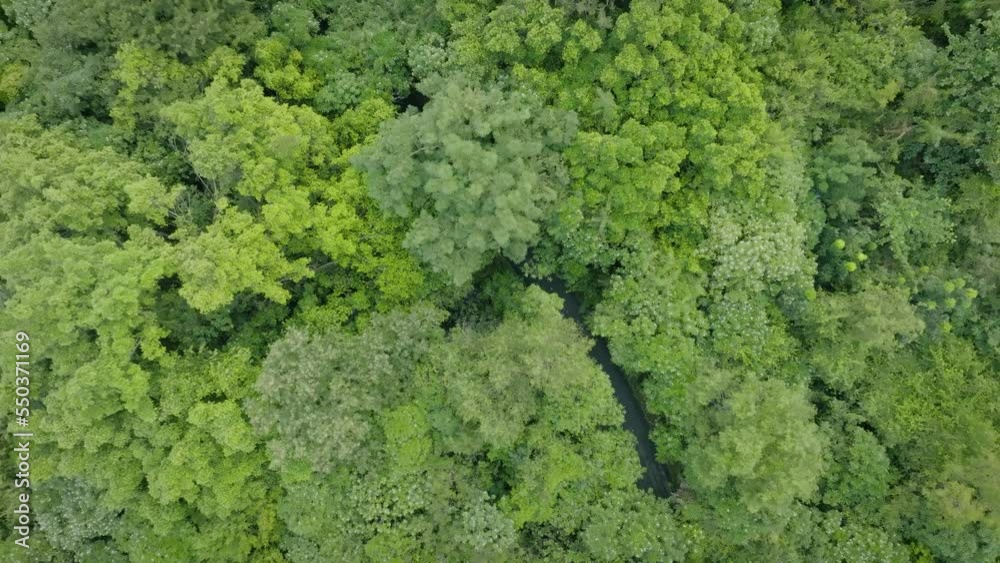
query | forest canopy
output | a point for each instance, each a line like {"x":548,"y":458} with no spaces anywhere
{"x":500,"y":280}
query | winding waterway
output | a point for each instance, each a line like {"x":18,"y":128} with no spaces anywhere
{"x":656,"y":476}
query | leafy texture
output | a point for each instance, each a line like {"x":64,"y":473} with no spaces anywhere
{"x":477,"y":170}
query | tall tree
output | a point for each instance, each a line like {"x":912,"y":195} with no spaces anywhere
{"x":476,"y":171}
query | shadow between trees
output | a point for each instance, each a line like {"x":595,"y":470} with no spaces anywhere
{"x":656,"y":477}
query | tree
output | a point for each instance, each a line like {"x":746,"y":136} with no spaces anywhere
{"x":848,"y":329}
{"x":751,"y":452}
{"x":273,"y":259}
{"x":402,"y":441}
{"x":476,"y":170}
{"x":649,"y":313}
{"x":340,"y":55}
{"x":320,"y":396}
{"x":73,"y":48}
{"x":277,"y":197}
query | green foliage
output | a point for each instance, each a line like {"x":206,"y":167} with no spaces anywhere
{"x":476,"y":170}
{"x":517,"y":32}
{"x":79,"y":270}
{"x":752,"y":450}
{"x":324,"y":412}
{"x":278,"y":197}
{"x":275,"y":261}
{"x":395,"y":413}
{"x":73,"y":44}
{"x":339,"y":55}
{"x":71,"y":518}
{"x":649,"y":312}
{"x":934,"y":409}
{"x":252,"y":263}
{"x":860,"y":476}
{"x":850,"y":328}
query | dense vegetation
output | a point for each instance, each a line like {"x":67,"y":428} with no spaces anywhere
{"x":276,"y":262}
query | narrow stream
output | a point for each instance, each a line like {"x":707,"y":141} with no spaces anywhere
{"x":656,"y":477}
